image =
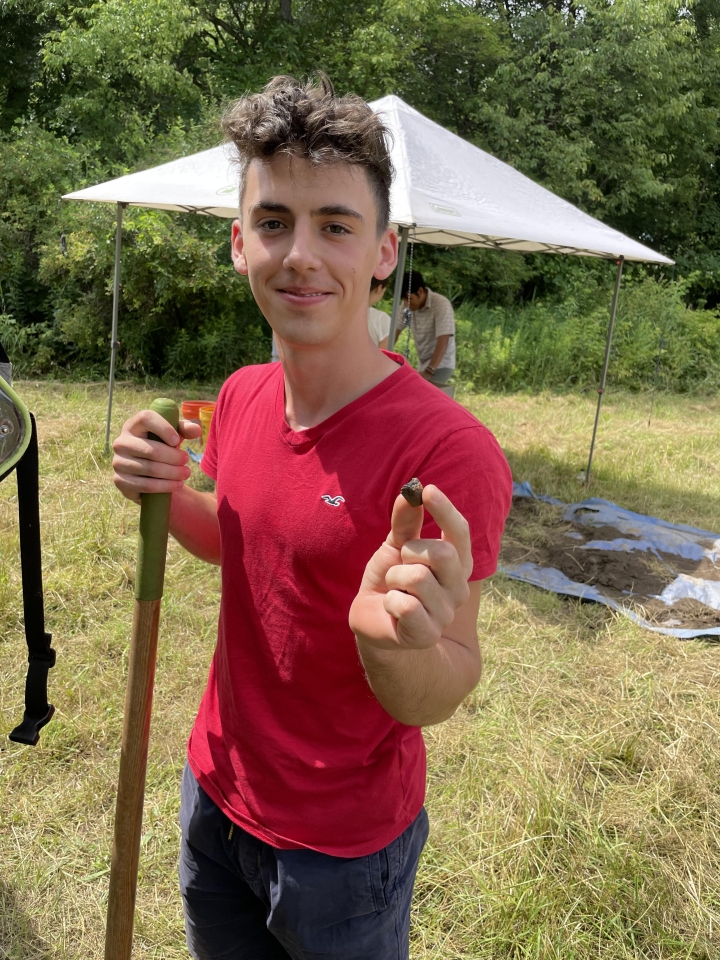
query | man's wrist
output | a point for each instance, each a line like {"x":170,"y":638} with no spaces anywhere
{"x":384,"y":651}
{"x":430,"y":369}
{"x":373,"y":650}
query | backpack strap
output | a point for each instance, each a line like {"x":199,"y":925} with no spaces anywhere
{"x":41,"y":656}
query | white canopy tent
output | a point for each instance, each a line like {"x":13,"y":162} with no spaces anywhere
{"x":446,"y":192}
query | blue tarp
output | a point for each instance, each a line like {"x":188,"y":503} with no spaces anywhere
{"x":647,"y":534}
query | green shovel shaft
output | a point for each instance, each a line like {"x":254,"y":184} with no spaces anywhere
{"x":154,"y":523}
{"x":149,"y":577}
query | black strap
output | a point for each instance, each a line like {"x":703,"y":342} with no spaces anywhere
{"x":41,"y":656}
{"x":5,"y":370}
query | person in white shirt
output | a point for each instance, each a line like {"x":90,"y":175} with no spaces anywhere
{"x":378,"y":320}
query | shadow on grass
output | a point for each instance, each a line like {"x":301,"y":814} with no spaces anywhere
{"x":552,"y":475}
{"x":19,"y":939}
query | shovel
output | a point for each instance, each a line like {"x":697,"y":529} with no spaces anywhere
{"x":150,"y":574}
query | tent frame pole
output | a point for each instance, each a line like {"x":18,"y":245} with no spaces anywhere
{"x":397,"y":294}
{"x":115,"y":311}
{"x":606,"y":362}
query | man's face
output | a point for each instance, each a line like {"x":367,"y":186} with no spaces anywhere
{"x":309,"y":244}
{"x":417,"y":300}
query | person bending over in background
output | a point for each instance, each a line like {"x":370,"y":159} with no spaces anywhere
{"x":348,"y":618}
{"x":433,"y":329}
{"x":378,"y":320}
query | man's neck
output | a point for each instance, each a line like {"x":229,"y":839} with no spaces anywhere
{"x":320,"y":380}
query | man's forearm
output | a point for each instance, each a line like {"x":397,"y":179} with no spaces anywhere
{"x":439,"y":351}
{"x":422,"y":687}
{"x":194,"y":523}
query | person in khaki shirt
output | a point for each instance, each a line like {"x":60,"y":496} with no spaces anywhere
{"x":378,"y":320}
{"x":433,"y":329}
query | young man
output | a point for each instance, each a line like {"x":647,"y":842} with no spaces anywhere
{"x":433,"y":329}
{"x":378,"y":320}
{"x":348,"y":618}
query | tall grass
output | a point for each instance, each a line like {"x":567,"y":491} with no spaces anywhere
{"x":542,"y":345}
{"x":574,"y":798}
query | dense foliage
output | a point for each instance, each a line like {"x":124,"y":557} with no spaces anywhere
{"x":614,"y":106}
{"x":658,"y":342}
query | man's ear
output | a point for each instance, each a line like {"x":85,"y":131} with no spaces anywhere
{"x":237,"y":247}
{"x":387,"y":255}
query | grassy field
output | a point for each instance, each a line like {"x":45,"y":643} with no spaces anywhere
{"x":574,"y":798}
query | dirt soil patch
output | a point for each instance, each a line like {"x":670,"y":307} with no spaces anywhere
{"x":536,"y":532}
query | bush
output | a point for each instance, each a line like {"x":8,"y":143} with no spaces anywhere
{"x":543,"y":345}
{"x":184,"y":312}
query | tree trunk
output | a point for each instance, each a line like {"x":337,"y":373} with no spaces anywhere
{"x":286,"y":10}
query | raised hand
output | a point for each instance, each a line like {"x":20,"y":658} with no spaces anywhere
{"x":412,"y":588}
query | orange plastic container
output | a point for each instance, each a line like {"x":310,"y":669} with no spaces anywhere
{"x":190,"y":410}
{"x":206,"y":413}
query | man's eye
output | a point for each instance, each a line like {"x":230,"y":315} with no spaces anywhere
{"x":338,"y":228}
{"x":272,"y":224}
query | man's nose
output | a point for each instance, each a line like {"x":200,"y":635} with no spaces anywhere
{"x":302,"y":254}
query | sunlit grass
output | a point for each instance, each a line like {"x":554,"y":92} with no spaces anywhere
{"x":574,"y":798}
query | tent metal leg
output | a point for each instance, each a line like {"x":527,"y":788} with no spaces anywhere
{"x":606,"y":361}
{"x":115,"y":311}
{"x":397,"y":296}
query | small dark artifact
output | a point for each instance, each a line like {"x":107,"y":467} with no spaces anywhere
{"x":412,"y":491}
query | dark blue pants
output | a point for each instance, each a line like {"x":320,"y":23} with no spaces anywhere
{"x":246,"y":900}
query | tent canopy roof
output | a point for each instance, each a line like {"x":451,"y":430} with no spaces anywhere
{"x":449,"y":192}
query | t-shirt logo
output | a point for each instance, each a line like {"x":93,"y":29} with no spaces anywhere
{"x":333,"y":501}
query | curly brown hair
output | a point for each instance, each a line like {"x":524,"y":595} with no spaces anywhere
{"x":309,"y":120}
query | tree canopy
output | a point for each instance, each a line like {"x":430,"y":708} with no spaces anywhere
{"x":612,"y":105}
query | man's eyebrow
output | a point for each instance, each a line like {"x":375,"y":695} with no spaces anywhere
{"x":337,"y":210}
{"x":329,"y":210}
{"x":270,"y":206}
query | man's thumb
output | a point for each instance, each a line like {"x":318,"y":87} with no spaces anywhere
{"x":406,"y":523}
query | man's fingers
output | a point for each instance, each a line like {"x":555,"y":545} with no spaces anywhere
{"x":415,"y":628}
{"x":142,"y":448}
{"x":452,"y":523}
{"x":418,"y":581}
{"x":444,"y":560}
{"x":189,"y":430}
{"x":133,"y":488}
{"x":406,"y":522}
{"x":148,"y":421}
{"x":135,"y":477}
{"x":150,"y":468}
{"x":144,"y":465}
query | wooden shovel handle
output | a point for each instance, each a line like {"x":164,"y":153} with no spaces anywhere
{"x":149,"y":578}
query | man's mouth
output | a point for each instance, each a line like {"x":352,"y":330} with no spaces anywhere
{"x":305,"y":294}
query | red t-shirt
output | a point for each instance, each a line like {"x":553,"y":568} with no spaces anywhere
{"x":290,"y":741}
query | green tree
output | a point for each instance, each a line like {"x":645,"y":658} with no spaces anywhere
{"x":614,"y":106}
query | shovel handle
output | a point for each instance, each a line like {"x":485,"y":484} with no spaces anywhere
{"x":149,"y":578}
{"x":154,"y":522}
